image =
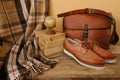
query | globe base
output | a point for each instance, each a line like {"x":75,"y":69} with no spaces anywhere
{"x":50,"y":31}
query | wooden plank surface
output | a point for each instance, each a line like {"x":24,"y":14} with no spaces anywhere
{"x":68,"y":69}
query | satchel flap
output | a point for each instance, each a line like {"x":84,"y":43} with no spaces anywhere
{"x":94,"y":21}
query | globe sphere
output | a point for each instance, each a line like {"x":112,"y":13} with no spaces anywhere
{"x":50,"y":22}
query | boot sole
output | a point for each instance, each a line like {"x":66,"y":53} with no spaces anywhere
{"x":110,"y":61}
{"x":81,"y":63}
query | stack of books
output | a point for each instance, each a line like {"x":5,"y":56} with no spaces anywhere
{"x":51,"y":44}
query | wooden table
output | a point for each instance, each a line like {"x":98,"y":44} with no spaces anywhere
{"x":68,"y":69}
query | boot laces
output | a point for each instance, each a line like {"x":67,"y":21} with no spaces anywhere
{"x":88,"y":44}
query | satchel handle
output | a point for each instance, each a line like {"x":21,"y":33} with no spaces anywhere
{"x":114,"y":36}
{"x":85,"y":11}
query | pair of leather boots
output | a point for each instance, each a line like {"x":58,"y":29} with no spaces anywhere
{"x":88,"y":53}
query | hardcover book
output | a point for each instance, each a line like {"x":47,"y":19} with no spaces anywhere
{"x":51,"y":45}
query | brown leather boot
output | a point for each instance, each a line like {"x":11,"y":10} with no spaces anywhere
{"x":83,"y":55}
{"x":108,"y":56}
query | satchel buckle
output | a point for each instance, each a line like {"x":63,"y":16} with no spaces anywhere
{"x":0,"y":41}
{"x":88,"y":10}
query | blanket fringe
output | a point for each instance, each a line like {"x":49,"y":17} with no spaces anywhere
{"x":34,"y":60}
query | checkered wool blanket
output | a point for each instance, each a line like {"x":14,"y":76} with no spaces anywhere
{"x":19,"y":19}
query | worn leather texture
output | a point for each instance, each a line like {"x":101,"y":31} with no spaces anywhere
{"x":98,"y":28}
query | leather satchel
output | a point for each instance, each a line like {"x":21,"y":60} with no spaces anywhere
{"x":101,"y":26}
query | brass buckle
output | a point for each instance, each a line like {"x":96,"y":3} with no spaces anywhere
{"x":88,"y":10}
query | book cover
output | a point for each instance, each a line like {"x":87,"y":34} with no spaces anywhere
{"x":52,"y":51}
{"x":48,"y":37}
{"x":48,"y":44}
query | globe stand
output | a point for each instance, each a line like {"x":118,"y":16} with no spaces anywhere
{"x":50,"y":31}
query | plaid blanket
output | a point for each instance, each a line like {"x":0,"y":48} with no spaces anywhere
{"x":19,"y":20}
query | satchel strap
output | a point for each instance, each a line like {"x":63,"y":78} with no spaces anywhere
{"x":114,"y":36}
